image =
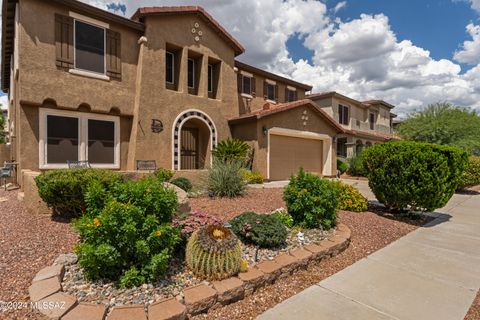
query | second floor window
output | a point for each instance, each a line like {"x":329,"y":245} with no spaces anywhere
{"x":291,"y":95}
{"x":246,"y":84}
{"x":210,"y":77}
{"x":371,"y":120}
{"x":169,"y":67}
{"x":191,"y":73}
{"x":343,"y":116}
{"x":270,"y":91}
{"x":89,"y":47}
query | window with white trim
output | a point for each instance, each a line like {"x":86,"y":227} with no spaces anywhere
{"x":74,"y":136}
{"x":343,"y":115}
{"x":89,"y":47}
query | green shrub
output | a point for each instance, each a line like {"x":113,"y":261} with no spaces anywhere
{"x":412,"y":175}
{"x":225,"y":179}
{"x":64,"y":190}
{"x":263,"y":230}
{"x":350,"y":199}
{"x":214,"y":252}
{"x":182,"y":183}
{"x":125,"y":241}
{"x":252,"y":176}
{"x":356,"y":167}
{"x":311,"y":201}
{"x":164,"y":175}
{"x":231,"y":149}
{"x":342,"y":166}
{"x":471,"y":176}
{"x":284,"y":217}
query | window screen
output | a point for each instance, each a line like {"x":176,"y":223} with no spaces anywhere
{"x":89,"y":47}
{"x":101,"y":141}
{"x":62,"y":139}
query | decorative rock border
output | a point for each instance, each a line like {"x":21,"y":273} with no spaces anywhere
{"x":46,"y":291}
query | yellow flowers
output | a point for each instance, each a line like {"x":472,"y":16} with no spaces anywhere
{"x":244,"y":266}
{"x":158,"y":233}
{"x":96,"y":222}
{"x":305,"y":190}
{"x":218,"y":234}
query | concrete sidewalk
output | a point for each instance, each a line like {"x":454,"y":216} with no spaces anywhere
{"x":431,"y":273}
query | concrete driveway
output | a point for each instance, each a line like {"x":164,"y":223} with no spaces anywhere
{"x":431,"y":273}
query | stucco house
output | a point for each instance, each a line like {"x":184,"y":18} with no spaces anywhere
{"x":163,"y":85}
{"x":364,"y":122}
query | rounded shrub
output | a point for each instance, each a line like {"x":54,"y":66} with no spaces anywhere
{"x":342,"y":166}
{"x":263,"y":230}
{"x":350,"y":199}
{"x":252,"y":176}
{"x":164,"y":175}
{"x":412,"y":175}
{"x":311,"y":201}
{"x":284,"y":217}
{"x":356,"y":167}
{"x":214,"y":252}
{"x":182,"y":183}
{"x":471,"y":176}
{"x":64,"y":190}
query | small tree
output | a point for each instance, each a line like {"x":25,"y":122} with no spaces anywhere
{"x":2,"y":128}
{"x":445,"y":124}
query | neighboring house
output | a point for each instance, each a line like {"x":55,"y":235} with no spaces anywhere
{"x":364,"y":122}
{"x":86,"y":84}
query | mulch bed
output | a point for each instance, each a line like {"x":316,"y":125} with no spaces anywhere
{"x":30,"y":242}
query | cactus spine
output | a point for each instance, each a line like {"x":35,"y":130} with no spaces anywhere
{"x":214,"y":252}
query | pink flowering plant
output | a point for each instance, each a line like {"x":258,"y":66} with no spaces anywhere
{"x":195,"y":221}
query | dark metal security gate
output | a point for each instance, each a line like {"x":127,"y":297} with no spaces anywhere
{"x":189,"y":149}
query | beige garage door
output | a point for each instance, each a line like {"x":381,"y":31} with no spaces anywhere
{"x":288,"y":154}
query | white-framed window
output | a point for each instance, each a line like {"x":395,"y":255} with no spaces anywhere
{"x":371,"y":120}
{"x":76,"y":136}
{"x":89,"y":44}
{"x":170,"y":67}
{"x":210,"y":77}
{"x":191,"y":73}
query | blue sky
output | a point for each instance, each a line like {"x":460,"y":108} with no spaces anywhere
{"x":435,"y":25}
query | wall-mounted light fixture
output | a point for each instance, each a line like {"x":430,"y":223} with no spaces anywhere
{"x":334,"y":140}
{"x":264,"y":130}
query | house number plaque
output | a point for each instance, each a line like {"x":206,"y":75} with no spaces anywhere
{"x":157,"y":126}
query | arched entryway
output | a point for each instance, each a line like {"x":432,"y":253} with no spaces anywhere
{"x":194,"y":135}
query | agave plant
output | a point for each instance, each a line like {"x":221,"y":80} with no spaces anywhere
{"x":231,"y":149}
{"x":214,"y":252}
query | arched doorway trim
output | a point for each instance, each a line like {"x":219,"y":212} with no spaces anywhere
{"x":177,"y":127}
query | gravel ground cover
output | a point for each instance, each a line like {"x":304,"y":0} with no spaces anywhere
{"x":474,"y":312}
{"x":28,"y":243}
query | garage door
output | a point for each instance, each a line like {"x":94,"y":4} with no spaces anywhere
{"x":288,"y":154}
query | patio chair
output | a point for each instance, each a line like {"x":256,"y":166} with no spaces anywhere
{"x":150,"y":165}
{"x":6,"y":172}
{"x":84,"y":164}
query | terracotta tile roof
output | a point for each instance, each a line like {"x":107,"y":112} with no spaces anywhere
{"x":364,"y":104}
{"x":270,"y":109}
{"x":142,"y":12}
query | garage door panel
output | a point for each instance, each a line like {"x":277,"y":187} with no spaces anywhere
{"x":288,"y":154}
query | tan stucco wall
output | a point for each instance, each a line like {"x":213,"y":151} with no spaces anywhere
{"x":39,"y":78}
{"x":288,"y":120}
{"x":157,"y":102}
{"x":5,"y":154}
{"x":330,"y":105}
{"x":258,"y":101}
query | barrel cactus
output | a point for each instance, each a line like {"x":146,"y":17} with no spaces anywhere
{"x":214,"y":252}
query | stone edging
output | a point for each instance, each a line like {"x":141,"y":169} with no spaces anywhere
{"x":46,"y":291}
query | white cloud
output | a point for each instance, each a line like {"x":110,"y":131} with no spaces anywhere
{"x":361,"y":58}
{"x":3,"y":102}
{"x":340,"y":6}
{"x":470,"y":51}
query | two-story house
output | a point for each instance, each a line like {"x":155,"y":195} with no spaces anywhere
{"x":164,"y":85}
{"x":364,"y":122}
